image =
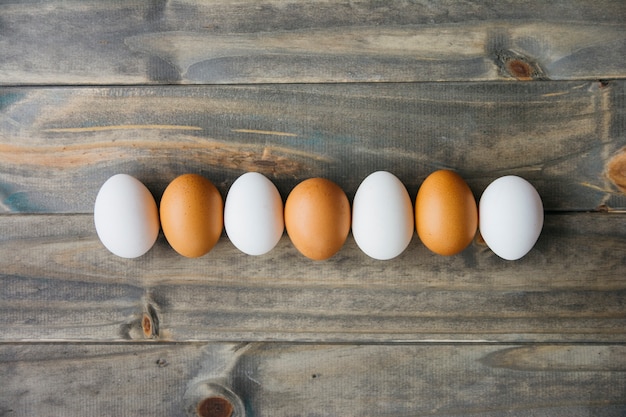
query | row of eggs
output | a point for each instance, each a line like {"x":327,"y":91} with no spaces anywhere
{"x":317,"y":215}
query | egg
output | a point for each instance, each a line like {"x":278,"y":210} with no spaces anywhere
{"x":253,"y":214}
{"x":510,"y":217}
{"x":317,"y":218}
{"x":192,"y":215}
{"x":446,"y":215}
{"x":382,"y":216}
{"x":126,"y":216}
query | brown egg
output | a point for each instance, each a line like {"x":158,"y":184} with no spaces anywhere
{"x":192,"y":215}
{"x":317,"y":218}
{"x":446,"y":215}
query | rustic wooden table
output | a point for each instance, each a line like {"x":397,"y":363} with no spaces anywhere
{"x":296,"y":89}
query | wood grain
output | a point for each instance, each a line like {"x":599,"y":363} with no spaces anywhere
{"x":296,"y":89}
{"x":59,"y":283}
{"x":95,"y":379}
{"x":437,"y":380}
{"x":278,"y":41}
{"x":58,"y":145}
{"x":321,"y":380}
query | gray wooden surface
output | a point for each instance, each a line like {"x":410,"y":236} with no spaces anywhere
{"x":60,"y":283}
{"x":58,"y":145}
{"x":317,"y":380}
{"x":277,"y":41}
{"x":158,"y":88}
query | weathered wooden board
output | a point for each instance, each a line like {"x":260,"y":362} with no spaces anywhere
{"x":59,"y":283}
{"x":95,"y":379}
{"x":323,"y":380}
{"x":328,"y":88}
{"x":194,"y":41}
{"x":58,"y":145}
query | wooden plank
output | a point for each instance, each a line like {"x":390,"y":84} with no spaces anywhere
{"x":59,"y":283}
{"x":464,"y":335}
{"x":58,"y":145}
{"x":95,"y":379}
{"x":436,"y":380}
{"x":193,"y":41}
{"x":322,"y":380}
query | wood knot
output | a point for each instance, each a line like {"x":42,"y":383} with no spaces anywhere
{"x":215,"y":407}
{"x":518,"y":66}
{"x":146,"y":325}
{"x":150,"y":322}
{"x":519,"y":69}
{"x":616,"y":170}
{"x":212,"y":399}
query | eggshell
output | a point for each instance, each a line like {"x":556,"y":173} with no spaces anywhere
{"x":446,"y":215}
{"x":510,"y":217}
{"x":192,"y":215}
{"x":317,"y":218}
{"x":382,"y":216}
{"x":253,"y":214}
{"x":126,"y":216}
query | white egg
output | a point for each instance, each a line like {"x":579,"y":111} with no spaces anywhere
{"x":253,"y":214}
{"x":126,"y":216}
{"x":510,"y":217}
{"x":382,"y":216}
